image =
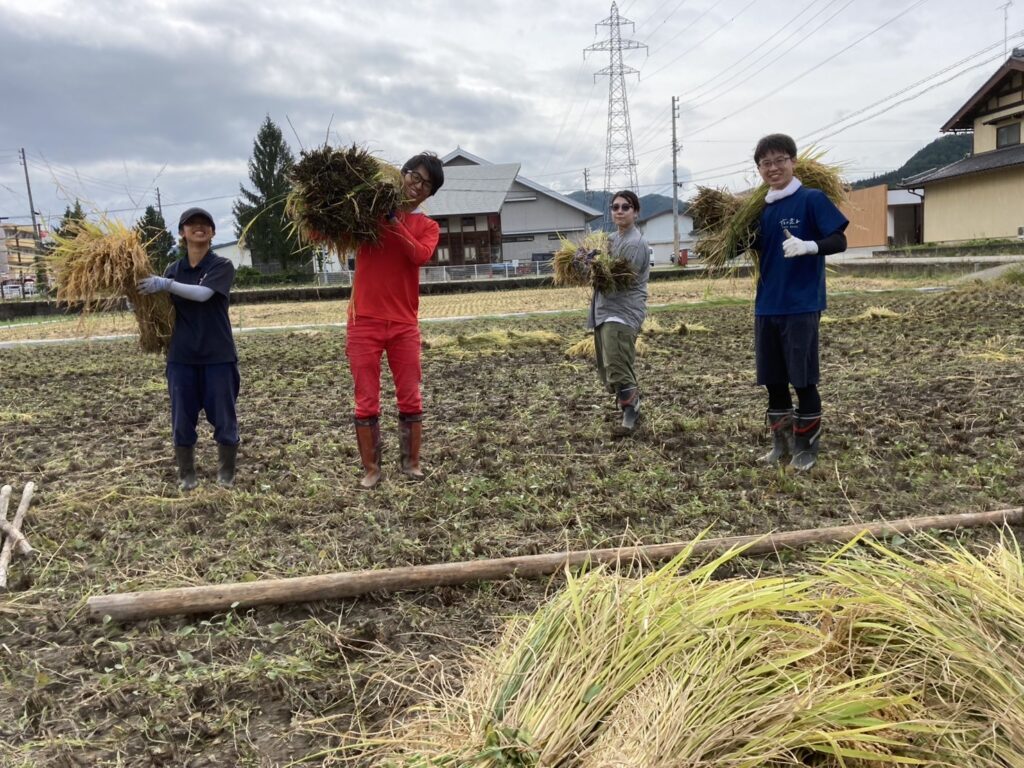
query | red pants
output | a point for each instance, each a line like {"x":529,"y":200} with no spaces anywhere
{"x":367,"y":338}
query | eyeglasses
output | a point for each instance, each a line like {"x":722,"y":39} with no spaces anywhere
{"x":621,"y":207}
{"x":418,"y":180}
{"x":777,"y":162}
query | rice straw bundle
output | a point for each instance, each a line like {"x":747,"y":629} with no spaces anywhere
{"x":98,"y":263}
{"x":734,"y":235}
{"x":339,"y":197}
{"x":610,"y":275}
{"x":570,"y":266}
{"x":711,"y":207}
{"x":870,"y":658}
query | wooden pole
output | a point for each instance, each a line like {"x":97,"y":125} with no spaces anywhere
{"x":215,"y":598}
{"x":20,"y":542}
{"x":19,"y":516}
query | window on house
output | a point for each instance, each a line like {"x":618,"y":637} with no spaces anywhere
{"x":469,"y":224}
{"x":1008,"y":135}
{"x":443,"y":225}
{"x":469,"y":252}
{"x":442,"y":254}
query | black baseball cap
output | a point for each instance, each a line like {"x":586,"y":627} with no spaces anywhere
{"x":188,"y":214}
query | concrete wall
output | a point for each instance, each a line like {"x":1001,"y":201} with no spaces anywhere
{"x":659,"y":235}
{"x":979,"y":206}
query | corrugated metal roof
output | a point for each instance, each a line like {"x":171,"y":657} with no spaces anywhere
{"x":470,"y":189}
{"x":986,"y":161}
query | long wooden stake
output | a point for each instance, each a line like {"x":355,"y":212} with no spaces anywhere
{"x":20,"y":542}
{"x":19,"y":516}
{"x":332,"y":586}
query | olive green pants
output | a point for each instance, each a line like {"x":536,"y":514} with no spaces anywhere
{"x":615,"y":344}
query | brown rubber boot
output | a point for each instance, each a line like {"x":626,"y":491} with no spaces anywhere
{"x":368,"y":440}
{"x":410,"y":433}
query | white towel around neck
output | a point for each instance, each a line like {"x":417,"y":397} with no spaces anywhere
{"x":778,"y":194}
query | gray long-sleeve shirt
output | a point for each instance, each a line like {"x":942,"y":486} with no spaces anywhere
{"x":628,"y":306}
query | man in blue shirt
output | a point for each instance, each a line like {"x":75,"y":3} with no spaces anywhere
{"x":798,"y":228}
{"x":202,"y":364}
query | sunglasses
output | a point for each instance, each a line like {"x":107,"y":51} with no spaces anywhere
{"x":621,"y":207}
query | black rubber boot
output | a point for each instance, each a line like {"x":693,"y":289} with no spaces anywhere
{"x":368,"y":440}
{"x":185,"y":456}
{"x":781,"y":425}
{"x":629,"y":402}
{"x":807,"y":441}
{"x":226,"y":460}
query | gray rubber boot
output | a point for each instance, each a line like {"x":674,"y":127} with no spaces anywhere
{"x":185,"y":457}
{"x":226,"y":460}
{"x":629,"y":402}
{"x":781,"y":425}
{"x":807,"y":439}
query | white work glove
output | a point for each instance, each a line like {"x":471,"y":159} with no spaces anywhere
{"x":794,"y":246}
{"x":153,"y":284}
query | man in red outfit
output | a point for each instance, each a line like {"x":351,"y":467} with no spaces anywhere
{"x":383,"y":317}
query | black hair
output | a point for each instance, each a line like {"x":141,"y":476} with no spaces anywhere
{"x":630,"y":196}
{"x":432,"y":163}
{"x":775,"y":142}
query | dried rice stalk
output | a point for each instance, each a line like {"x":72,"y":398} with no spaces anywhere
{"x":98,"y":263}
{"x":339,"y":197}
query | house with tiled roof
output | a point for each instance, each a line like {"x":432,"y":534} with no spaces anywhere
{"x":981,"y":195}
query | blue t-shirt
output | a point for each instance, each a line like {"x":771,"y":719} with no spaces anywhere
{"x":202,"y":329}
{"x":796,"y":285}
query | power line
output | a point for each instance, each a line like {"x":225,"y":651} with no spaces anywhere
{"x":705,"y":39}
{"x":806,"y":72}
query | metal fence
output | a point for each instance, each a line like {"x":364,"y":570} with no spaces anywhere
{"x":503,"y":270}
{"x":15,"y":289}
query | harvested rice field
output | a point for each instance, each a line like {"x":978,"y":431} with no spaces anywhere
{"x":924,"y":411}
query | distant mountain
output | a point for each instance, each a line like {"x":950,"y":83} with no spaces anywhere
{"x":943,"y":151}
{"x":650,"y":205}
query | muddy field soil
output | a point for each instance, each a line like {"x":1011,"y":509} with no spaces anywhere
{"x":924,"y":412}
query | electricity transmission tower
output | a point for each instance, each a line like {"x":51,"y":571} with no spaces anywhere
{"x":620,"y":162}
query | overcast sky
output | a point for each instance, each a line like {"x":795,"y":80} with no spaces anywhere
{"x":113,"y":99}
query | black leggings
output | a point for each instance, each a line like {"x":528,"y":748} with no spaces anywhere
{"x":779,"y":399}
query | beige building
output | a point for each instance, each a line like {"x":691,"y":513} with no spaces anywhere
{"x":982,"y":195}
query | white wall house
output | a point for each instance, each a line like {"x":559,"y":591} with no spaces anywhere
{"x":526,"y":217}
{"x":658,"y":232}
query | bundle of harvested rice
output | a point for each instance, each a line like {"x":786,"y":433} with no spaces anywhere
{"x":735,"y":234}
{"x":610,"y":275}
{"x":492,"y":341}
{"x":868,"y":659}
{"x":98,"y":263}
{"x":586,"y":349}
{"x":712,"y":206}
{"x":339,"y":197}
{"x":570,"y":264}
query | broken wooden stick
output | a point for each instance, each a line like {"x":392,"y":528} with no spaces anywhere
{"x":215,"y":598}
{"x":8,"y":549}
{"x":20,"y":542}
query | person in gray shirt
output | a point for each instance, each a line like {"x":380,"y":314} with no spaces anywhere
{"x":616,"y":317}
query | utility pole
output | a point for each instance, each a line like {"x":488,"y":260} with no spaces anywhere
{"x":31,"y":205}
{"x":159,"y":207}
{"x":675,"y":181}
{"x":620,"y":162}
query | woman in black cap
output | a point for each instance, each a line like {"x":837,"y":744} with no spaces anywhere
{"x":202,"y":364}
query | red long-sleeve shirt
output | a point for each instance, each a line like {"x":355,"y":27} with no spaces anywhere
{"x":387,"y":279}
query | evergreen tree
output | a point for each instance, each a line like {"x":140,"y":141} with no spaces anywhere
{"x":70,"y":216}
{"x":159,"y":242}
{"x":259,"y":213}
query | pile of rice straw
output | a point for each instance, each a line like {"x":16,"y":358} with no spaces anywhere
{"x":339,"y":197}
{"x":575,"y":267}
{"x":96,"y":264}
{"x":728,"y":227}
{"x":870,"y":657}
